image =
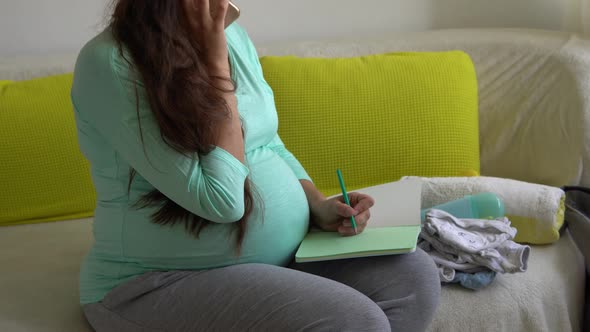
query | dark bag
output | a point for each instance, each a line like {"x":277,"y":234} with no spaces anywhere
{"x":577,"y":217}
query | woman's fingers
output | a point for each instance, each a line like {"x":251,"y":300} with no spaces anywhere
{"x":190,"y":12}
{"x":204,"y":11}
{"x":344,"y":210}
{"x":361,"y":220}
{"x":220,"y":13}
{"x":349,"y":231}
{"x":208,"y":34}
{"x":361,"y":202}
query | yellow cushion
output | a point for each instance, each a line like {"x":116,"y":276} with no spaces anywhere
{"x":43,"y":174}
{"x":378,"y":117}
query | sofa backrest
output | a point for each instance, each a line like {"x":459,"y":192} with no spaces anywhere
{"x":534,"y":92}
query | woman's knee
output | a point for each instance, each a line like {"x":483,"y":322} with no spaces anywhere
{"x":350,"y":310}
{"x":320,"y":304}
{"x":425,"y":280}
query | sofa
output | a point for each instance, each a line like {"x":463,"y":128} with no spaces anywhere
{"x":534,"y":115}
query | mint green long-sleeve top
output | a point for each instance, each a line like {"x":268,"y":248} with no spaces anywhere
{"x":127,"y":244}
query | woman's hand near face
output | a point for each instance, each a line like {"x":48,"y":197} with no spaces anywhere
{"x":207,"y":25}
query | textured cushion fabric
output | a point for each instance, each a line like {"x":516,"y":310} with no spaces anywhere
{"x":43,"y":174}
{"x":377,"y":117}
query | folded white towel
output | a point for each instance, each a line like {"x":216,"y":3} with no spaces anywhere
{"x":535,"y":210}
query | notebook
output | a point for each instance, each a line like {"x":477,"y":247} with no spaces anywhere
{"x":393,"y":228}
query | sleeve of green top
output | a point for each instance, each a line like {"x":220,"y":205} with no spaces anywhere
{"x":277,"y":146}
{"x":210,"y":186}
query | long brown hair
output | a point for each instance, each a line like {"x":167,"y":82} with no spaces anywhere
{"x":184,"y":99}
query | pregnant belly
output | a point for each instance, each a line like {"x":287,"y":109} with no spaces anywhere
{"x":280,"y":223}
{"x":276,"y":227}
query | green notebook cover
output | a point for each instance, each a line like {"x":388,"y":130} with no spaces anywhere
{"x":320,"y":246}
{"x":393,"y":228}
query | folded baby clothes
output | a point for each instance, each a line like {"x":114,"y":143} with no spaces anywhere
{"x":537,"y":211}
{"x":467,"y":275}
{"x":478,"y":242}
{"x":468,"y":235}
{"x":449,"y":261}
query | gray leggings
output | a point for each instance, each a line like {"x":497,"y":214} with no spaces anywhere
{"x":397,"y":293}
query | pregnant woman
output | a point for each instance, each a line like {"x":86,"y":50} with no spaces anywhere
{"x":200,"y":206}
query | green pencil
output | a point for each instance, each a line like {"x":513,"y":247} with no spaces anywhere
{"x":345,"y":195}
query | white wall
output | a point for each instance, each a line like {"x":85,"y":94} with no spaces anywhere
{"x":268,"y":20}
{"x":49,"y":26}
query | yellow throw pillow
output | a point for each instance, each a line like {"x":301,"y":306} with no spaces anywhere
{"x":43,"y":174}
{"x":378,"y":117}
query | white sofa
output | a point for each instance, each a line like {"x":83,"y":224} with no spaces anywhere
{"x":534,"y":89}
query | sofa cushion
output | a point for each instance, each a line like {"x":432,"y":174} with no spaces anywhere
{"x":39,"y":286}
{"x":377,"y":117}
{"x":39,"y":279}
{"x":43,"y":174}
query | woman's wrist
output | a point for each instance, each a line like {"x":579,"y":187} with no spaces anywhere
{"x":219,"y":68}
{"x":314,"y":196}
